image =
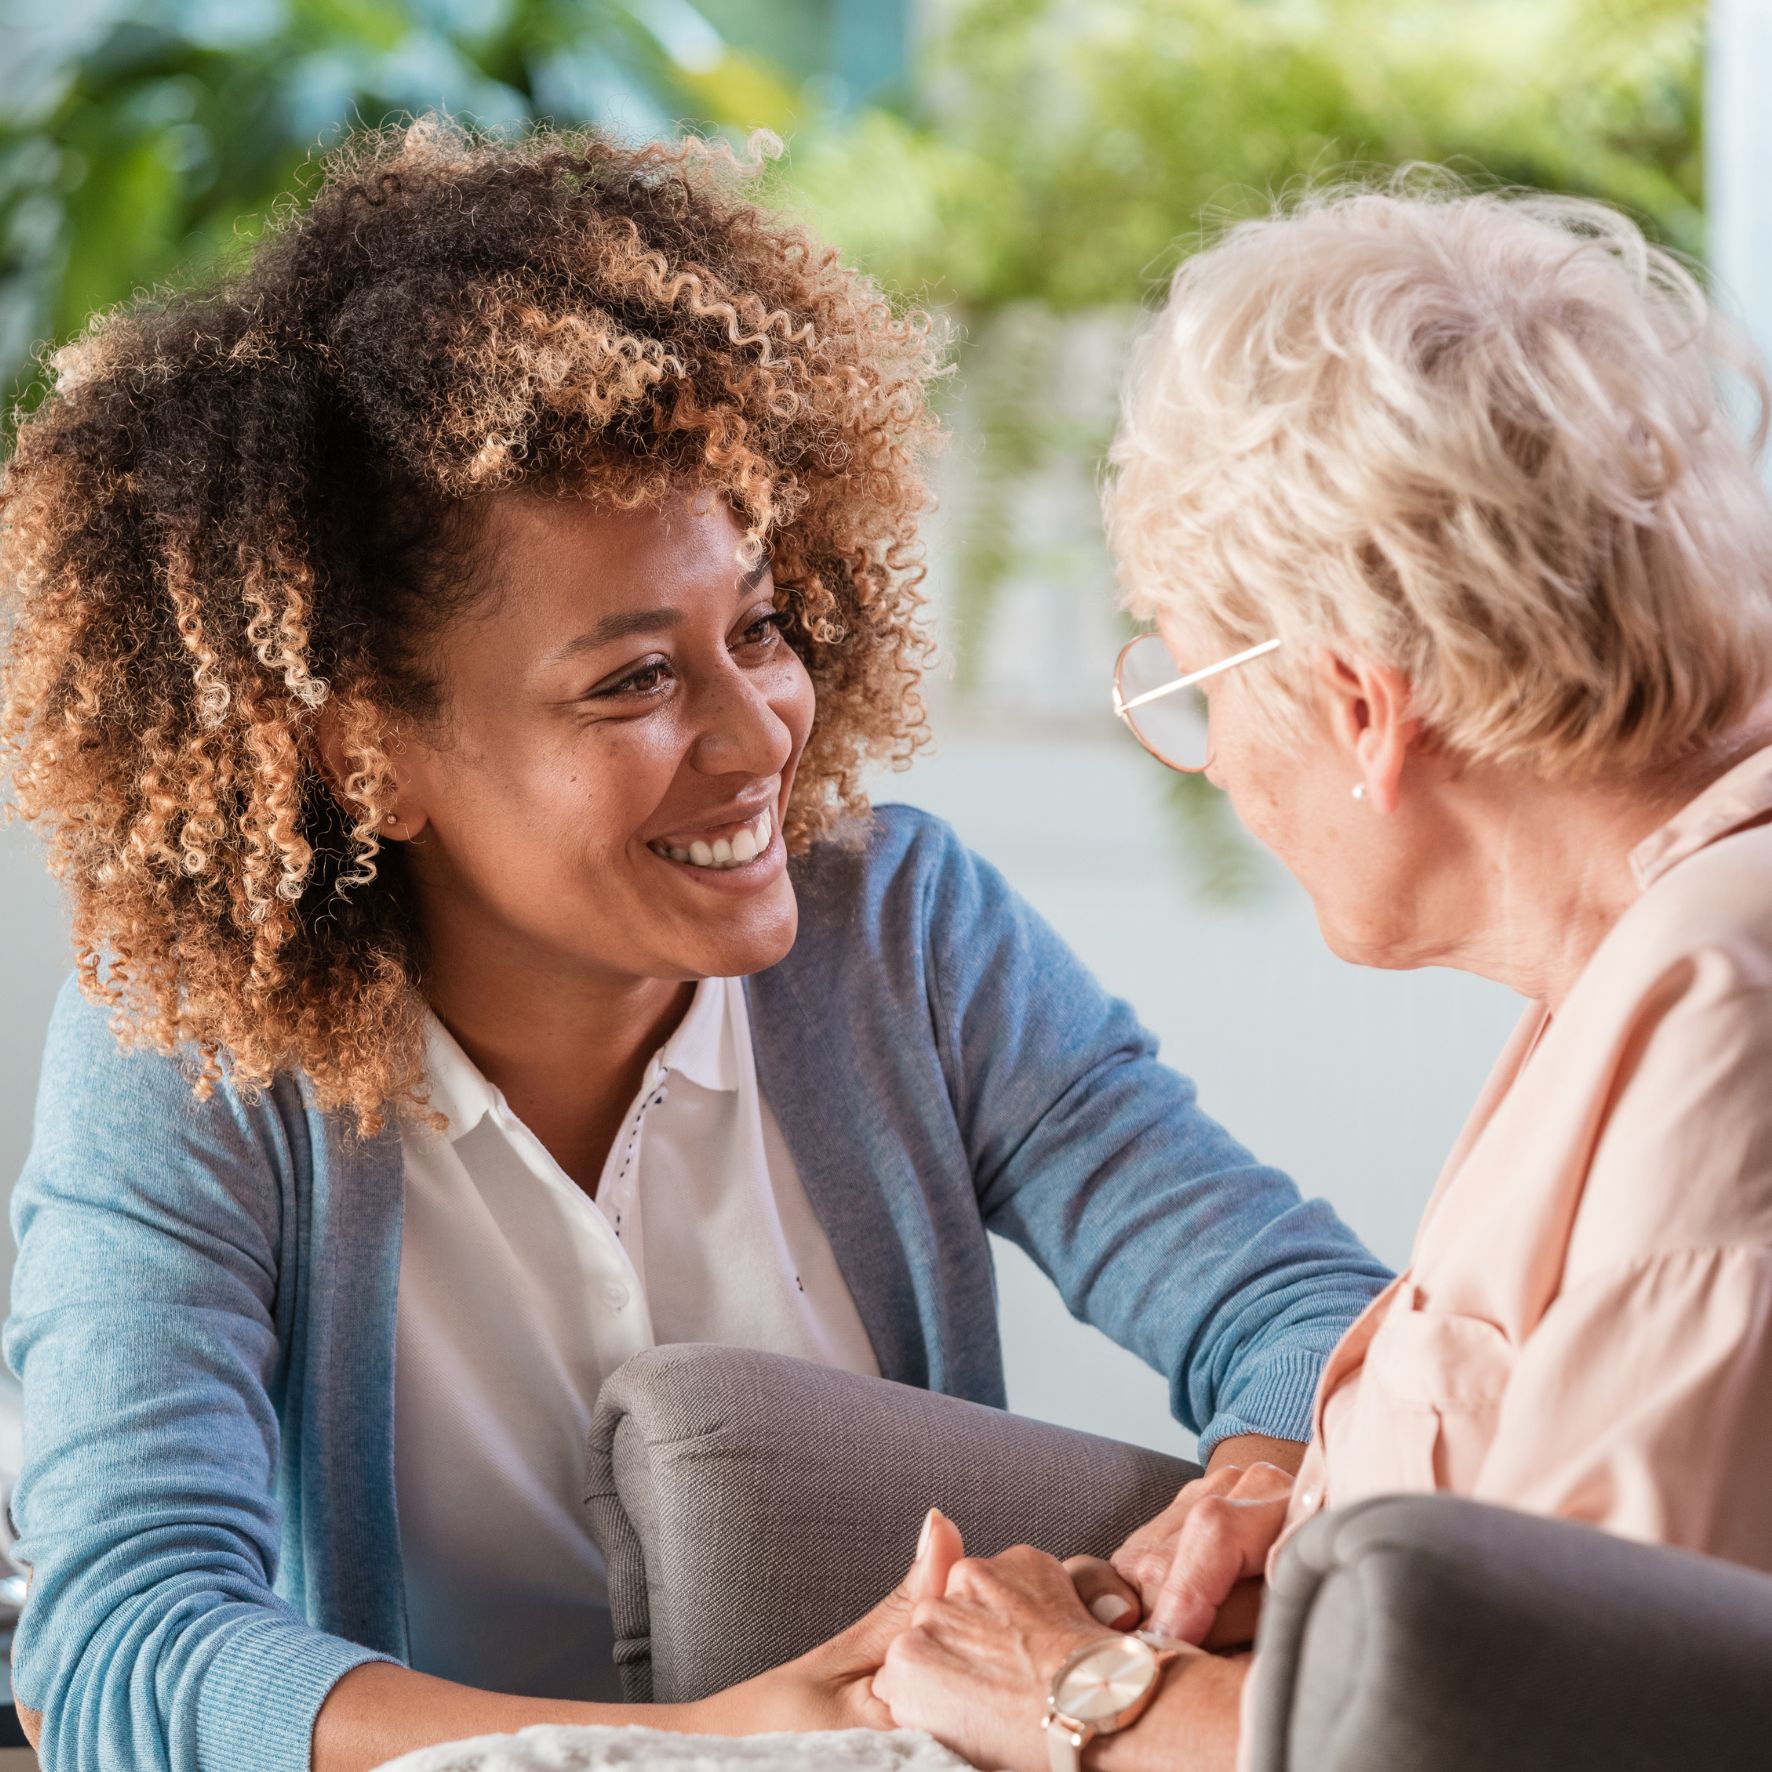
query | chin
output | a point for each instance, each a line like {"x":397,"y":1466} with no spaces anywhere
{"x":765,"y":942}
{"x":1348,"y":944}
{"x":1368,"y":949}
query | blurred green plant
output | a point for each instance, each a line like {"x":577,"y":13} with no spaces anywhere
{"x":1062,"y":153}
{"x":1065,"y":158}
{"x":138,"y":138}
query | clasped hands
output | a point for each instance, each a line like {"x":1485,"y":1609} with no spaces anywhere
{"x":965,"y":1647}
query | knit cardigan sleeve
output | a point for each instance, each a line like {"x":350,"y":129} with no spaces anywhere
{"x":1156,"y":1225}
{"x":148,"y":1325}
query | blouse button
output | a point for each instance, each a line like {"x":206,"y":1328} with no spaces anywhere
{"x":615,"y":1296}
{"x":1310,"y":1498}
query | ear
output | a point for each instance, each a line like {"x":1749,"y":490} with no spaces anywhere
{"x":1367,"y":707}
{"x":408,"y":809}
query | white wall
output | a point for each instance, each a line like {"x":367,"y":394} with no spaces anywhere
{"x":34,"y":959}
{"x":1738,"y":158}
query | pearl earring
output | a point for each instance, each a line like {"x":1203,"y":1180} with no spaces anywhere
{"x":1359,"y":790}
{"x":391,"y":818}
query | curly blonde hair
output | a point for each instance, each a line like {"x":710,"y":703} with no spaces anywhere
{"x":1481,"y":436}
{"x":242,"y":502}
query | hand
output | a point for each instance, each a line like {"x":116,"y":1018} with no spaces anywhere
{"x":831,"y":1687}
{"x":974,"y":1667}
{"x":1197,"y":1566}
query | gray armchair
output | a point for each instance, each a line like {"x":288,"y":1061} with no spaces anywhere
{"x":1430,"y":1634}
{"x":750,"y":1506}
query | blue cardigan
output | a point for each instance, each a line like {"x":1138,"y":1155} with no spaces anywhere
{"x":203,"y":1308}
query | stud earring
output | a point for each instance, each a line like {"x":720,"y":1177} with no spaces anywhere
{"x":1359,"y":790}
{"x":392,"y":818}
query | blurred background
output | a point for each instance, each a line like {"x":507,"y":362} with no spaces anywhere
{"x":1035,"y":170}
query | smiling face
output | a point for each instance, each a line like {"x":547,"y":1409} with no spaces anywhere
{"x":600,"y":800}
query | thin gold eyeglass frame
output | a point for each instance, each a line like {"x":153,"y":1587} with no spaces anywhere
{"x":1124,"y":708}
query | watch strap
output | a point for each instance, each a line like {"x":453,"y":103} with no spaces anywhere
{"x":1065,"y":1743}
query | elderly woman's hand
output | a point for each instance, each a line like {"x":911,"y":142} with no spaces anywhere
{"x":1197,"y":1566}
{"x":975,"y":1666}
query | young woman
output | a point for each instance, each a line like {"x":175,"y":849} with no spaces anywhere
{"x":443,"y":660}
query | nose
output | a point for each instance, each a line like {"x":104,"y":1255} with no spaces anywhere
{"x":741,"y":733}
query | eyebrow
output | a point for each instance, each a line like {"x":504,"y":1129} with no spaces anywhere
{"x":625,"y":623}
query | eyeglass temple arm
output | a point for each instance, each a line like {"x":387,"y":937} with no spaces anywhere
{"x":1224,"y":664}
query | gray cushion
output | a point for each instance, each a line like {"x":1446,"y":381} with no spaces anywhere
{"x":749,"y":1506}
{"x":1430,"y":1634}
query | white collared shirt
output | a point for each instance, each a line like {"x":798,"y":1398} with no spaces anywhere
{"x":519,"y":1295}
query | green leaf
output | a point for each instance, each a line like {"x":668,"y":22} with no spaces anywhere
{"x":120,"y":229}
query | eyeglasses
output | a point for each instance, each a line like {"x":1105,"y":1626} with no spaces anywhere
{"x":1167,"y":714}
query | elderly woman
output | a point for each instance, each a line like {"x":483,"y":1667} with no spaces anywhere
{"x":1435,"y":506}
{"x":430,"y":645}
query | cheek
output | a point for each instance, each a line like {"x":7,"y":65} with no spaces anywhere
{"x":612,"y":790}
{"x":579,"y":796}
{"x":1240,"y":763}
{"x":1266,"y":793}
{"x":1260,"y":813}
{"x":1302,"y":817}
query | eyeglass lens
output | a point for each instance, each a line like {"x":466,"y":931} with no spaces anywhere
{"x":1174,"y":726}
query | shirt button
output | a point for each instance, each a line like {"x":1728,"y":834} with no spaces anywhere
{"x":615,"y":1296}
{"x":1310,"y":1498}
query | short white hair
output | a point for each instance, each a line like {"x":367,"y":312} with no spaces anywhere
{"x":1482,"y":437}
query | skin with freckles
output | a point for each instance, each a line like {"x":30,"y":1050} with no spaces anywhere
{"x":622,"y":682}
{"x":628,"y":683}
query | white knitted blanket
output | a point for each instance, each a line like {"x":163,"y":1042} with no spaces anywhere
{"x":563,"y":1747}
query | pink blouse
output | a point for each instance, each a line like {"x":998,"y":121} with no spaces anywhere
{"x":1586,"y":1327}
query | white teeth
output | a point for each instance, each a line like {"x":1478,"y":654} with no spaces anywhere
{"x":724,"y":852}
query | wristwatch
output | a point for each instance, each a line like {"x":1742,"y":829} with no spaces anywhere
{"x":1104,"y":1687}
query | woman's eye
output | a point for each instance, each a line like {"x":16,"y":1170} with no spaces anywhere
{"x":765,"y":630}
{"x":646,"y":679}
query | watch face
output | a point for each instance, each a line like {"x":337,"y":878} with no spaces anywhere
{"x":1105,"y":1679}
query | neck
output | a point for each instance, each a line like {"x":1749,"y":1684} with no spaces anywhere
{"x":1541,"y":872}
{"x":568,"y":1051}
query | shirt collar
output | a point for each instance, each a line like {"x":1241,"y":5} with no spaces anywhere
{"x":701,"y":1050}
{"x":457,"y":1085}
{"x":1732,"y":800}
